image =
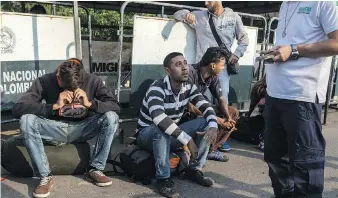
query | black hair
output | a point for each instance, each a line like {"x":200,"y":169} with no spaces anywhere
{"x":72,"y":74}
{"x":38,"y":9}
{"x":258,"y":91}
{"x":212,"y":55}
{"x":167,"y":59}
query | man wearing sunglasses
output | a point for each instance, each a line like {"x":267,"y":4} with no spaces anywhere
{"x":78,"y":107}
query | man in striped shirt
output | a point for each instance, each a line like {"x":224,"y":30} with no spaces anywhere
{"x":162,"y":109}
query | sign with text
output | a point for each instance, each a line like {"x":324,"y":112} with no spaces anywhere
{"x":31,"y":46}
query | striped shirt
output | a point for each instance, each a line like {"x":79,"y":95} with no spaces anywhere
{"x":164,"y":109}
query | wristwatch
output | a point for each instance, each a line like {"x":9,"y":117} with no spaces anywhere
{"x":294,"y":52}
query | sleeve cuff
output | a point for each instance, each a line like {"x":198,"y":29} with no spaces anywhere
{"x":184,"y":138}
{"x":94,"y":106}
{"x":49,"y":110}
{"x":238,"y":53}
{"x":213,"y":124}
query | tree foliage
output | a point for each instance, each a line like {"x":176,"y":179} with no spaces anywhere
{"x":105,"y":23}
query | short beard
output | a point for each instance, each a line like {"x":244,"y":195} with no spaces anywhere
{"x":212,"y":9}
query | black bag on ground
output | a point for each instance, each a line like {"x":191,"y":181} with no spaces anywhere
{"x":136,"y":163}
{"x":69,"y":159}
{"x":249,"y":129}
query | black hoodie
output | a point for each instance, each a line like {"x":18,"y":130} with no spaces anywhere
{"x":47,"y":88}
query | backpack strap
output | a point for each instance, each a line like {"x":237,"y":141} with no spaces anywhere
{"x":116,"y":163}
{"x":132,"y":153}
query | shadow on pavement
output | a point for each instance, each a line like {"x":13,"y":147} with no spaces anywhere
{"x":9,"y":192}
{"x":224,"y":187}
{"x":30,"y":182}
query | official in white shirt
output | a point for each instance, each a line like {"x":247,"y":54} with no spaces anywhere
{"x":307,"y":37}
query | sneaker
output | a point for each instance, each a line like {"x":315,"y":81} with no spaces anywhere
{"x":225,"y":147}
{"x":98,"y":178}
{"x":261,"y":143}
{"x":261,"y":146}
{"x":198,"y":177}
{"x":217,"y":156}
{"x":171,"y":182}
{"x":165,"y":188}
{"x":43,"y":189}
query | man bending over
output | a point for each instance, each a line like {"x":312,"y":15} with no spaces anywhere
{"x":78,"y":107}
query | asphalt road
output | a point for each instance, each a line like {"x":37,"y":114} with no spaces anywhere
{"x":245,"y":175}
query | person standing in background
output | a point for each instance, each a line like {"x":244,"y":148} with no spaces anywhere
{"x":228,"y":25}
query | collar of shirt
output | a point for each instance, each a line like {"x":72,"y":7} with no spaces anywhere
{"x":210,"y":13}
{"x":166,"y":81}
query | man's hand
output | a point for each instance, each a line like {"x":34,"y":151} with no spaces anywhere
{"x":192,"y":149}
{"x":190,"y":18}
{"x":64,"y":97}
{"x":210,"y":135}
{"x":281,"y":53}
{"x":80,"y":95}
{"x":233,"y":122}
{"x":233,"y":59}
{"x":226,"y":123}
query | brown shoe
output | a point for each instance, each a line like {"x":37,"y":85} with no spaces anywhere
{"x":43,"y":189}
{"x":98,"y":178}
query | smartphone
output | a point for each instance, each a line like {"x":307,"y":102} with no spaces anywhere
{"x":263,"y":51}
{"x":265,"y":58}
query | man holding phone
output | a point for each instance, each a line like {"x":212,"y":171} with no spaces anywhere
{"x":78,"y":107}
{"x":296,"y":88}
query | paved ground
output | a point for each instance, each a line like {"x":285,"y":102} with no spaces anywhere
{"x":245,"y":175}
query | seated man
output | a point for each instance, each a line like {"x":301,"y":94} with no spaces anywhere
{"x":163,"y":107}
{"x":205,"y":76}
{"x":60,"y":120}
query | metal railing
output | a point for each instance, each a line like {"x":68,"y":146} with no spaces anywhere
{"x":163,"y":5}
{"x":77,"y":28}
{"x":89,"y":36}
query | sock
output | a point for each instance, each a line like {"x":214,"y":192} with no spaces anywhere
{"x":91,"y":168}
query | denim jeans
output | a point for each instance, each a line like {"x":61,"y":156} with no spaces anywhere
{"x":294,"y":147}
{"x":224,"y":79}
{"x":34,"y":129}
{"x":152,"y":139}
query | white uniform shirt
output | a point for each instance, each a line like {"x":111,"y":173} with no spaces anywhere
{"x":302,"y":79}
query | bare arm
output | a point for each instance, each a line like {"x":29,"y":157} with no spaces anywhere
{"x":223,"y":107}
{"x":328,"y":19}
{"x":194,"y":110}
{"x":320,"y":49}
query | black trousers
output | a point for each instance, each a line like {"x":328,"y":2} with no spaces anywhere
{"x":294,"y":147}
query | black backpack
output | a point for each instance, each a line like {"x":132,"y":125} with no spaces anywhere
{"x":249,"y":129}
{"x":137,"y":164}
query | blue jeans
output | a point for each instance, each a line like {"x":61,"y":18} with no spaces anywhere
{"x":294,"y":147}
{"x":152,"y":139}
{"x":224,"y":80}
{"x":34,"y":129}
